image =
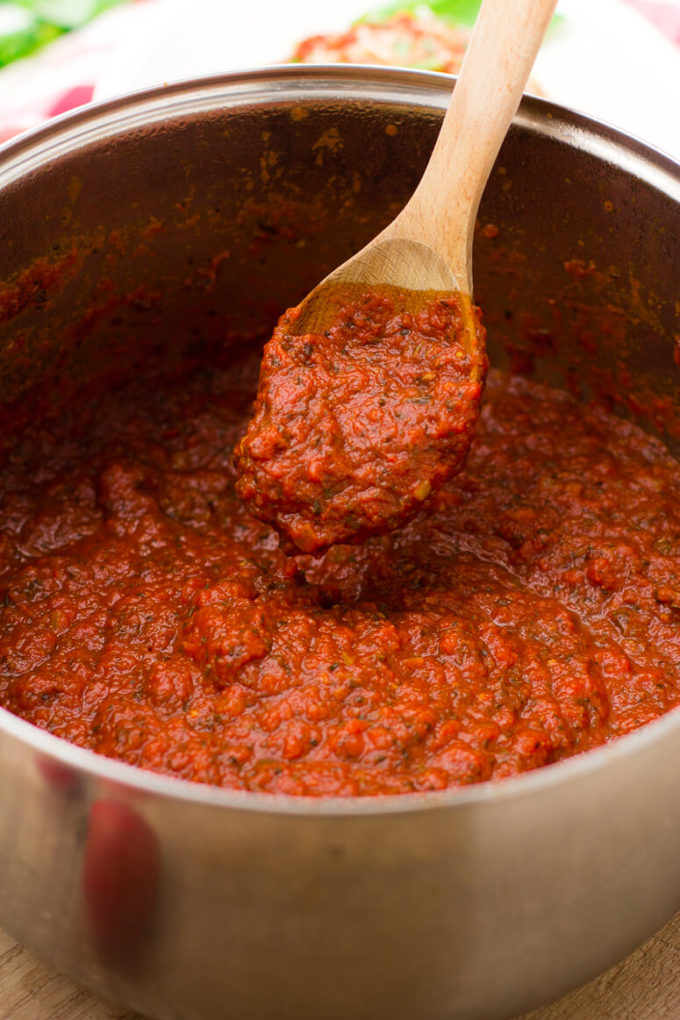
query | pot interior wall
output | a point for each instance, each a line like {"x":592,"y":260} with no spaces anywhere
{"x":183,"y":236}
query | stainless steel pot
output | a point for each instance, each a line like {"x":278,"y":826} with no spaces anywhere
{"x":190,"y":902}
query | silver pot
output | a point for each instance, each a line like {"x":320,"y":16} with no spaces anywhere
{"x":183,"y":901}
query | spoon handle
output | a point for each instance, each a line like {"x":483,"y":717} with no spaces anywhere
{"x":497,"y":64}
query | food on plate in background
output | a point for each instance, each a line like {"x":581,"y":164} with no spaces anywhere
{"x":405,"y":40}
{"x":416,"y":39}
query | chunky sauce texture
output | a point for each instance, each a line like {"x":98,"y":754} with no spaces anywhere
{"x":531,"y":614}
{"x":354,"y":428}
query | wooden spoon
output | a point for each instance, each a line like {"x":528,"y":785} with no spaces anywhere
{"x":370,"y":389}
{"x":428,"y":246}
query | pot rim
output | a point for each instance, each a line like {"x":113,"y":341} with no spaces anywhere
{"x":294,"y":82}
{"x":299,"y":83}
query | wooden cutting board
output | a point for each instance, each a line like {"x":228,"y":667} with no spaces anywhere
{"x":646,"y":986}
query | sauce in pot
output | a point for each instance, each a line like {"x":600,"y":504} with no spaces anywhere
{"x":532,"y":613}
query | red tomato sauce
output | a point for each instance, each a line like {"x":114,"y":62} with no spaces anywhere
{"x":355,"y":427}
{"x":530,"y":615}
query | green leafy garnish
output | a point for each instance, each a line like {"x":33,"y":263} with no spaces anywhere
{"x":21,"y":34}
{"x":67,"y":14}
{"x":453,"y":12}
{"x":28,"y":25}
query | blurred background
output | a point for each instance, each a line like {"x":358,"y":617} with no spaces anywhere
{"x":617,"y":60}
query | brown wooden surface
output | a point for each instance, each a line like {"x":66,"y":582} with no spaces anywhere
{"x":646,"y":986}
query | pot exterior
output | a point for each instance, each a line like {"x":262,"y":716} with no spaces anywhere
{"x":184,"y":902}
{"x":477,"y":909}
